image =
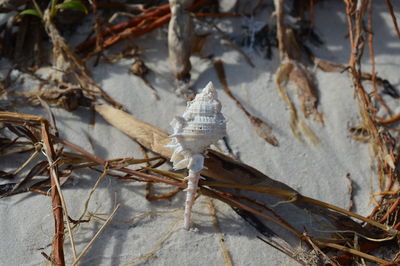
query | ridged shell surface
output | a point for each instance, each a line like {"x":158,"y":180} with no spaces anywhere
{"x":201,"y":125}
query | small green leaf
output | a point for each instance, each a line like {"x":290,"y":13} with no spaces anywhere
{"x":73,"y":4}
{"x":32,"y":12}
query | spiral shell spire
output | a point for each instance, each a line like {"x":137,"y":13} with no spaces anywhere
{"x":201,"y":125}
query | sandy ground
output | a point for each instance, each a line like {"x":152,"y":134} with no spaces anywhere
{"x":318,"y":171}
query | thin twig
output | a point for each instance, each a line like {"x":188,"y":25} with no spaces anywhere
{"x":54,"y":176}
{"x":95,"y":236}
{"x":58,"y":242}
{"x":396,"y":26}
{"x":91,"y":193}
{"x":352,"y":251}
{"x":372,"y":58}
{"x":30,"y":159}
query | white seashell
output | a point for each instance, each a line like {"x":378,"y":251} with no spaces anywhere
{"x":201,"y":125}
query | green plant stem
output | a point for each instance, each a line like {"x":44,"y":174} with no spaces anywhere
{"x":53,"y":8}
{"x":38,"y":8}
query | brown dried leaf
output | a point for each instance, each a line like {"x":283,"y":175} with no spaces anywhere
{"x":20,"y":117}
{"x":300,"y":77}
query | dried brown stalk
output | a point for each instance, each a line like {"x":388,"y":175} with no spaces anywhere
{"x":119,"y":29}
{"x":381,"y":142}
{"x":167,"y":195}
{"x":149,"y":186}
{"x":372,"y":59}
{"x":390,"y":8}
{"x":280,"y":29}
{"x":137,"y":26}
{"x":390,"y":120}
{"x":380,"y":146}
{"x":352,"y":251}
{"x":262,"y":129}
{"x":315,"y":247}
{"x":58,"y":242}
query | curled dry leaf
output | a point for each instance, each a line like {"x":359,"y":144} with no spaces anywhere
{"x":298,"y":76}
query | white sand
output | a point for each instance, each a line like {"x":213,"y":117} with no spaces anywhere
{"x":315,"y":171}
